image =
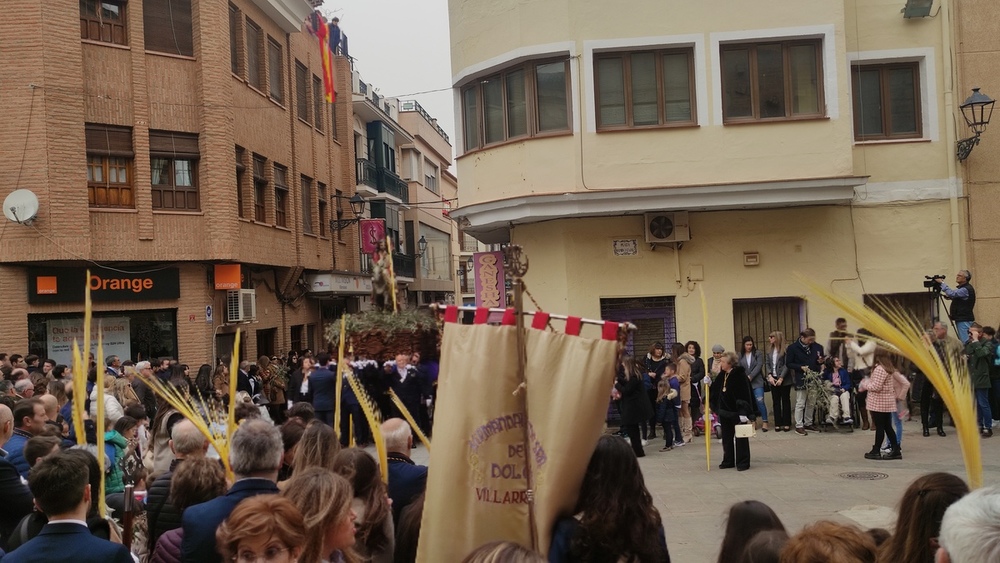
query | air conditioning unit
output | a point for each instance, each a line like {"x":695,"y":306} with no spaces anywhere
{"x":241,"y":305}
{"x":667,"y":227}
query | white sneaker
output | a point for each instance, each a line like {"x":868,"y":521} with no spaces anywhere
{"x":645,"y":443}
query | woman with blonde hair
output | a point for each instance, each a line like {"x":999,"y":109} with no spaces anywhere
{"x":112,"y":408}
{"x":317,"y":448}
{"x":324,"y":498}
{"x":267,"y":527}
{"x":220,"y":380}
{"x":503,"y":552}
{"x":375,"y":530}
{"x":124,"y":393}
{"x":781,"y":383}
{"x":881,"y":403}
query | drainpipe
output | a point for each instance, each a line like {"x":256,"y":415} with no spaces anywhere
{"x":951,"y":135}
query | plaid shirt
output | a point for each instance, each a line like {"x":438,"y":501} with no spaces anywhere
{"x":881,"y":393}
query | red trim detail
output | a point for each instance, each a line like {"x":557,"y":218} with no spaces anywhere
{"x":573,"y":326}
{"x":610,"y":331}
{"x":508,"y":317}
{"x":451,"y":314}
{"x":540,"y":321}
{"x":482,"y":315}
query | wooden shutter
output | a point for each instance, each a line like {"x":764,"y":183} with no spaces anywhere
{"x":173,"y":145}
{"x":109,"y":140}
{"x":757,"y":318}
{"x":167,"y":25}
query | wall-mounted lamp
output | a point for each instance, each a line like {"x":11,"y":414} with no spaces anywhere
{"x":357,"y":207}
{"x":421,"y":246}
{"x":977,"y":110}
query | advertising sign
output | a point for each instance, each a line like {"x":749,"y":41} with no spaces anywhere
{"x":60,"y":334}
{"x":489,"y":275}
{"x":228,"y":276}
{"x":67,"y":285}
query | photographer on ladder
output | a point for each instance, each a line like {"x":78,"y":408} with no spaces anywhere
{"x":963,"y":300}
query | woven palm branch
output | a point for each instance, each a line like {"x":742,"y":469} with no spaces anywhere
{"x":101,"y":422}
{"x":409,"y":418}
{"x":338,"y":390}
{"x":234,"y":370}
{"x":372,"y":415}
{"x":900,"y":331}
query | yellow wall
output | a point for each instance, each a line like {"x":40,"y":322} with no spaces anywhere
{"x":572,"y":265}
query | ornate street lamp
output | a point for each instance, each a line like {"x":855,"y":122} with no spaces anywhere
{"x":357,"y":207}
{"x":977,"y":110}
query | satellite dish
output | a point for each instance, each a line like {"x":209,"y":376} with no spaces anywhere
{"x":21,"y":206}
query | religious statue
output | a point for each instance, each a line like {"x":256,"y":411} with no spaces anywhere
{"x":381,"y":274}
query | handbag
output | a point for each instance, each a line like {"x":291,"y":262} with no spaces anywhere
{"x":746,"y":430}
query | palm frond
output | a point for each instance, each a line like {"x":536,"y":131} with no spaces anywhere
{"x":901,"y":332}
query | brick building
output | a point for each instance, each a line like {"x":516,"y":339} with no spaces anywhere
{"x":163,"y":144}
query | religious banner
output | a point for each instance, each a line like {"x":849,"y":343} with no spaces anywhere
{"x":489,"y":276}
{"x":486,"y":442}
{"x":372,"y":231}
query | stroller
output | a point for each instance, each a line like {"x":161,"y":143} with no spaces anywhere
{"x":698,"y":428}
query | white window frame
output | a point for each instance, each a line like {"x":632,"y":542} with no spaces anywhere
{"x":926,"y":62}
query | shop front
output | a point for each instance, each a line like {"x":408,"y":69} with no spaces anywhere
{"x":56,"y":299}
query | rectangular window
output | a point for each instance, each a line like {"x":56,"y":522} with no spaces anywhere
{"x":259,"y":189}
{"x":338,"y":198}
{"x":887,"y":101}
{"x":645,"y":88}
{"x":333,"y":121}
{"x":318,"y":102}
{"x":772,"y":81}
{"x":109,"y":166}
{"x":296,"y":339}
{"x":523,"y":101}
{"x":301,"y":92}
{"x":104,"y":21}
{"x":280,"y":196}
{"x":234,"y":39}
{"x":306,"y":185}
{"x":324,"y":213}
{"x":167,"y":25}
{"x":174,"y":162}
{"x":759,"y":317}
{"x":430,"y":176}
{"x":241,"y":169}
{"x":255,"y":51}
{"x":275,"y":71}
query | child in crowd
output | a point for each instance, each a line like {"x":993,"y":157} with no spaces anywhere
{"x":840,"y":400}
{"x":668,"y":406}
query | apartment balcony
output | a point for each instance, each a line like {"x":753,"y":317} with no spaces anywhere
{"x":405,"y":265}
{"x":380,"y":181}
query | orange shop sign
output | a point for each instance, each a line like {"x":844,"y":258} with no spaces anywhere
{"x":228,"y":276}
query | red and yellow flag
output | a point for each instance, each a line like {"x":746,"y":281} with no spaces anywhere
{"x":323,"y":32}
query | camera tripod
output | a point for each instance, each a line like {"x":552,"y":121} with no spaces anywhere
{"x":937,"y":300}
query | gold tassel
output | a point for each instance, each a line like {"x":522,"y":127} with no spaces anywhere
{"x":901,"y":332}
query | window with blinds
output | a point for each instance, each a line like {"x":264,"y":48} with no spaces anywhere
{"x":255,"y":54}
{"x":318,"y":95}
{"x":104,"y":21}
{"x":275,"y":71}
{"x":174,"y":163}
{"x":167,"y":26}
{"x":240,"y":173}
{"x":280,"y":196}
{"x":109,"y":166}
{"x":758,"y":318}
{"x":306,"y":184}
{"x":259,"y":189}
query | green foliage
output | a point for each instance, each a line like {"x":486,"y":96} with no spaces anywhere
{"x":380,"y":321}
{"x":818,"y":390}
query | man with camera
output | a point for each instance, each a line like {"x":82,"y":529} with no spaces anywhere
{"x":963,"y":300}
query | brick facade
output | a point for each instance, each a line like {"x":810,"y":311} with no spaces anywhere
{"x":52,"y":83}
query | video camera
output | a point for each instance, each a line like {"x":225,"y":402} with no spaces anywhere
{"x":933,"y":283}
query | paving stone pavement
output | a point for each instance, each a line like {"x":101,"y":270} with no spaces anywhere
{"x":797,"y":476}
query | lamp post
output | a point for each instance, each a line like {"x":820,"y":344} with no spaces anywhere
{"x":977,"y":110}
{"x":357,"y":207}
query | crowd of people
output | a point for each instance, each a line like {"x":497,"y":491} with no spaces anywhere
{"x":852,"y":384}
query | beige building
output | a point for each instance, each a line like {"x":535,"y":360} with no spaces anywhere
{"x":978,"y":45}
{"x":642,"y":156}
{"x":188,"y":158}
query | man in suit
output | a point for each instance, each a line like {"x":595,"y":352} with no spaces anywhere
{"x":113,"y":366}
{"x":323,"y":386}
{"x":243,"y":381}
{"x":61,"y":487}
{"x":255,"y":456}
{"x":29,"y":420}
{"x":142,"y":389}
{"x":407,"y":480}
{"x":14,"y":494}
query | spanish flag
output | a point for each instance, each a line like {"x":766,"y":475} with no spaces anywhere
{"x":323,"y":31}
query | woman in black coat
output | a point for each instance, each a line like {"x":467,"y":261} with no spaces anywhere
{"x":635,"y":405}
{"x":732,"y":400}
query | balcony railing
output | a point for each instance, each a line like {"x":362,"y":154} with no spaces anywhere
{"x":366,"y":173}
{"x":382,"y":179}
{"x":404,"y":265}
{"x":393,"y":185}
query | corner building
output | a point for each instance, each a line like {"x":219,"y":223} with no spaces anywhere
{"x":642,"y":155}
{"x":187,"y":157}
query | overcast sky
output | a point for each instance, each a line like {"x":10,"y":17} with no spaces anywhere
{"x":401,"y":47}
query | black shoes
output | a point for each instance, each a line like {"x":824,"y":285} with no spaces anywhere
{"x":926,"y":432}
{"x":894,"y":454}
{"x":941,"y":432}
{"x":727,"y":465}
{"x":874,"y":454}
{"x":986,"y":432}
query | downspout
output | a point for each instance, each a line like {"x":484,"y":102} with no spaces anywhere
{"x":951,"y":133}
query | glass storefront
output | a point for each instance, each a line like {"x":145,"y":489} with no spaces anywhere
{"x":135,"y":335}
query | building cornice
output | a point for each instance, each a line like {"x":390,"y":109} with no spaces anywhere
{"x":288,"y":14}
{"x":489,"y":222}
